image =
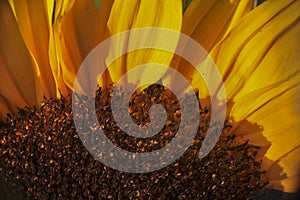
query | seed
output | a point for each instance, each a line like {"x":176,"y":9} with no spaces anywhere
{"x":42,"y":155}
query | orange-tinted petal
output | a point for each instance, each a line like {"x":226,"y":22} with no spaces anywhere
{"x":276,"y":110}
{"x":33,"y":22}
{"x":79,"y":26}
{"x":4,"y":107}
{"x":19,"y":83}
{"x":287,"y":168}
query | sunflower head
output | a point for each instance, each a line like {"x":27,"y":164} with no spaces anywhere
{"x":254,"y":48}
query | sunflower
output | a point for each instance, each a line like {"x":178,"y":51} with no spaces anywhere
{"x":256,"y":50}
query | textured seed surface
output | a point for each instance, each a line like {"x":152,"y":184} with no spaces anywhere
{"x":42,"y":156}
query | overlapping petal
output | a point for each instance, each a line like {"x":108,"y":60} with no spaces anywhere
{"x":287,"y":170}
{"x":126,"y":15}
{"x":257,"y":53}
{"x":78,"y":27}
{"x":34,"y":20}
{"x":207,"y":22}
{"x":276,"y":109}
{"x":20,"y":85}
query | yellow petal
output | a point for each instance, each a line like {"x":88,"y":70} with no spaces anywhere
{"x":19,"y":84}
{"x":122,"y":16}
{"x":79,"y":26}
{"x":128,"y":15}
{"x":288,"y":170}
{"x":61,"y":8}
{"x":208,"y":21}
{"x":266,"y":106}
{"x":121,"y":19}
{"x":262,"y":49}
{"x":33,"y":22}
{"x":275,"y":109}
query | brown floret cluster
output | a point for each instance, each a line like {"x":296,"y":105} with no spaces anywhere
{"x":42,"y":156}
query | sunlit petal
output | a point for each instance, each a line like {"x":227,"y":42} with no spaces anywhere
{"x":127,"y":15}
{"x":78,"y":27}
{"x":260,"y":52}
{"x":208,"y":21}
{"x":19,"y":83}
{"x":33,"y":22}
{"x":276,"y":109}
{"x":287,"y":168}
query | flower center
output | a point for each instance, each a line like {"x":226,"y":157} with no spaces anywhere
{"x":43,"y":157}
